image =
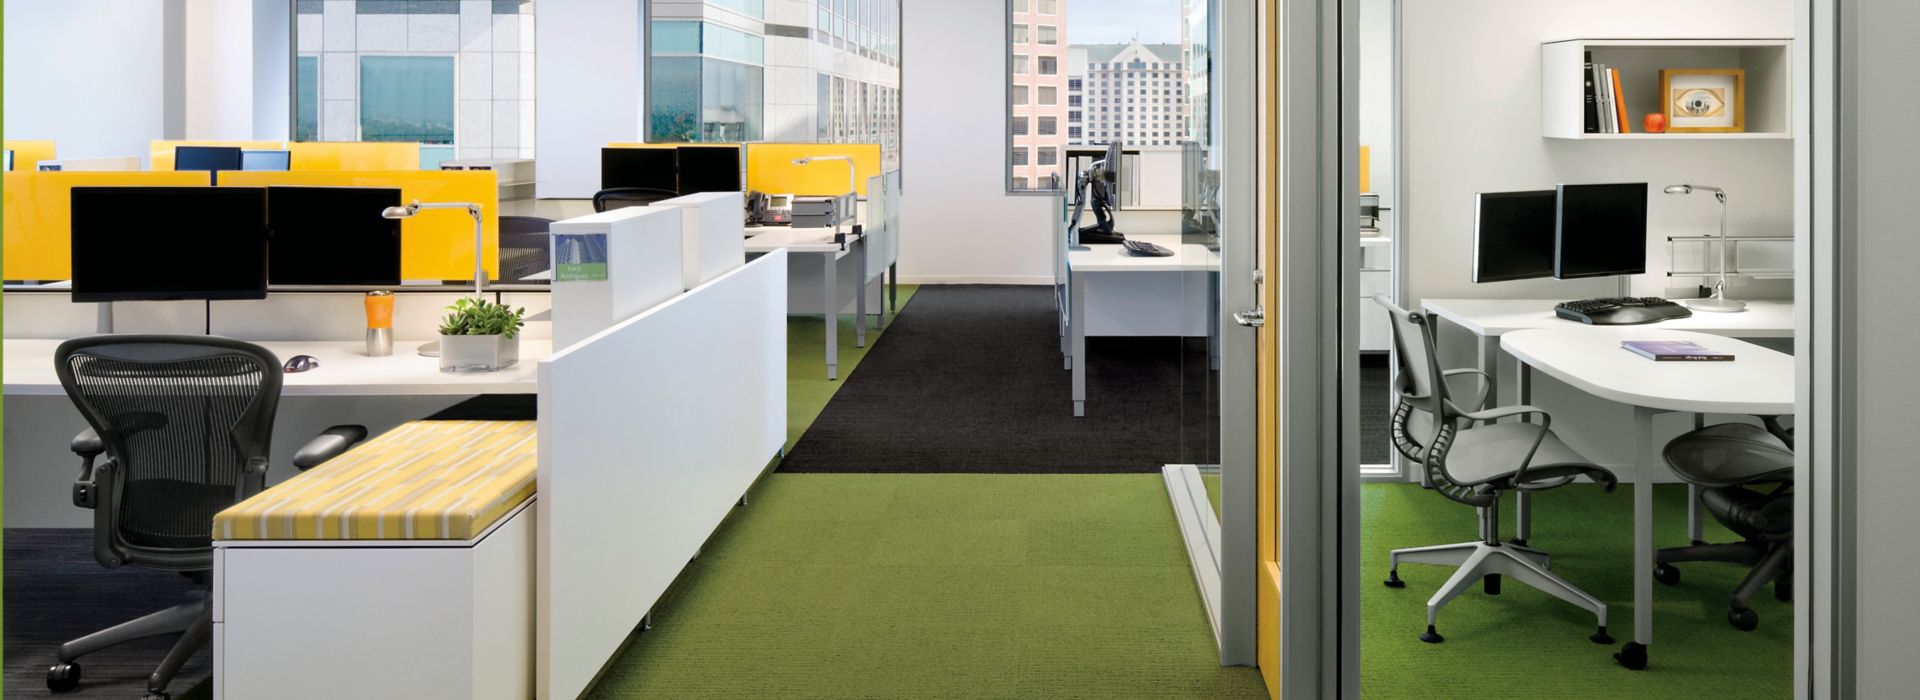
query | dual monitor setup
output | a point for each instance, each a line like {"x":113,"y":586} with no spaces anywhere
{"x":218,"y":158}
{"x":1098,"y":187}
{"x":672,"y":171}
{"x":242,"y":239}
{"x":1571,"y":232}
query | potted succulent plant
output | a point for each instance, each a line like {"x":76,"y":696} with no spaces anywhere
{"x":480,"y":336}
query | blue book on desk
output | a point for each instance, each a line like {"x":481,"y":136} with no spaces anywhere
{"x":1674,"y":351}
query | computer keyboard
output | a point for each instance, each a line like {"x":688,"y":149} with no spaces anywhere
{"x":1618,"y":311}
{"x":1146,"y":249}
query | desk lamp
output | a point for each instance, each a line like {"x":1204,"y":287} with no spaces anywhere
{"x":432,"y":349}
{"x":1719,"y":301}
{"x":853,"y":179}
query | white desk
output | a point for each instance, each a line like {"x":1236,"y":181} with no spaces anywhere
{"x":1758,"y":382}
{"x":1084,"y":261}
{"x":345,"y":370}
{"x":819,"y":242}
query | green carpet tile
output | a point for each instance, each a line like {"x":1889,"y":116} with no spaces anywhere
{"x":808,"y":389}
{"x":1525,"y":644}
{"x":912,"y":586}
{"x":1212,"y":482}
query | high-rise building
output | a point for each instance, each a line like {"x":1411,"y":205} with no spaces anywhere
{"x":1041,"y":98}
{"x":1136,"y":93}
{"x":775,"y":70}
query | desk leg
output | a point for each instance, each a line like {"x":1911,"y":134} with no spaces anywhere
{"x":860,"y":297}
{"x":1523,"y":510}
{"x":1490,"y":363}
{"x":832,"y":284}
{"x":1633,"y":655}
{"x":1696,"y":523}
{"x":893,"y":288}
{"x":1077,"y":328}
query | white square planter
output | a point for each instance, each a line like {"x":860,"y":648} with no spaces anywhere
{"x":478,"y":353}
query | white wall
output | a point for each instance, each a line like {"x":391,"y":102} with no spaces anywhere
{"x":958,"y":224}
{"x":219,"y":69}
{"x":1888,"y":394}
{"x":589,"y":78}
{"x":89,"y":74}
{"x":1472,"y":111}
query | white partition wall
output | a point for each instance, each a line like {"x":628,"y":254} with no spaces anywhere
{"x":612,"y":265}
{"x":650,"y":432}
{"x":714,"y":233}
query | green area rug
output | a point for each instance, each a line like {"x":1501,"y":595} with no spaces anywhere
{"x":914,"y":586}
{"x":808,"y":389}
{"x":1525,"y":644}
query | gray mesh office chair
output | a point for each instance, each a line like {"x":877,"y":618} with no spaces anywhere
{"x":1474,"y":467}
{"x":623,"y":197}
{"x":1725,"y":460}
{"x":184,"y":422}
{"x":525,"y":248}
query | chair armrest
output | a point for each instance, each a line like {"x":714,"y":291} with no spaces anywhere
{"x":329,"y":444}
{"x":87,"y":444}
{"x":1486,"y":382}
{"x":1494,"y":414}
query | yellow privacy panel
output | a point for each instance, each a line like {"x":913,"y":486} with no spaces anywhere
{"x":160,"y":153}
{"x":435,"y":244}
{"x":38,"y":217}
{"x":28,"y":154}
{"x":770,"y":168}
{"x":356,"y":155}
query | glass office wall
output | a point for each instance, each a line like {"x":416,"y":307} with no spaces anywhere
{"x":455,"y":76}
{"x":708,"y":83}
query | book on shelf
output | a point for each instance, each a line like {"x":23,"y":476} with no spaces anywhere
{"x":1674,"y":351}
{"x":1619,"y":102}
{"x":1604,"y":88}
{"x":1591,"y":118}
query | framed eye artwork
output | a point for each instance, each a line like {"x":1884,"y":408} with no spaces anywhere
{"x":1704,"y":100}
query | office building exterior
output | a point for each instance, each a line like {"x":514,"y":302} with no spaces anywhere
{"x":1039,"y":99}
{"x":1136,"y":93}
{"x":774,"y":70}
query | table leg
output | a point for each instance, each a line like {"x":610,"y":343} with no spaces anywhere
{"x":1077,"y":328}
{"x":1523,"y":510}
{"x":1634,"y":654}
{"x":860,"y":296}
{"x":893,"y":288}
{"x":1696,"y":522}
{"x":1489,"y":360}
{"x":832,"y":285}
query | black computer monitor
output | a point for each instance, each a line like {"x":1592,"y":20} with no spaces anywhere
{"x":1513,"y":235}
{"x":708,"y":169}
{"x":266,"y":160}
{"x":332,"y":236}
{"x":1116,"y":161}
{"x":652,"y":168}
{"x":169,"y":243}
{"x":1601,"y":231}
{"x":9,"y":160}
{"x":213,"y":158}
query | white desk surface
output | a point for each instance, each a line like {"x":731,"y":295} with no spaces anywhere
{"x":1493,"y":317}
{"x":766,"y":239}
{"x":345,"y":370}
{"x":1758,"y":381}
{"x":1113,"y":257}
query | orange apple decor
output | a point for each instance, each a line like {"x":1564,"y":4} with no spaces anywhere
{"x":1656,"y":123}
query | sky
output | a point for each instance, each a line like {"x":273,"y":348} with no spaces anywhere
{"x":1119,"y":21}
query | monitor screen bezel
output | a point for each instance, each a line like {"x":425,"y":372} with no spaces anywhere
{"x":1552,"y":235}
{"x":1560,"y":233}
{"x":82,"y":294}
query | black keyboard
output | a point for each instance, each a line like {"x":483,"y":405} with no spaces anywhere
{"x":1143,"y":248}
{"x":1626,"y":311}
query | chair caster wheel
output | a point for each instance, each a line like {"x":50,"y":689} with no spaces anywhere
{"x":1601,"y":637}
{"x":1783,"y":591}
{"x":1393,"y":579}
{"x":1632,"y":656}
{"x":162,"y":695}
{"x":62,"y":677}
{"x":1491,"y":584}
{"x":1665,"y":573}
{"x":1743,"y":619}
{"x":1519,"y":541}
{"x":1432,"y":637}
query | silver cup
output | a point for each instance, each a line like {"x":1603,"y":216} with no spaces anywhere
{"x":379,"y":342}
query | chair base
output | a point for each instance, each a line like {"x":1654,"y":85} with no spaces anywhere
{"x":1771,"y":562}
{"x":194,"y":618}
{"x":1478,"y":560}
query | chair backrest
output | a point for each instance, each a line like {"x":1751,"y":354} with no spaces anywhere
{"x":1730,"y":454}
{"x":186,"y":422}
{"x":1424,"y":421}
{"x":623,"y":197}
{"x":525,"y":248}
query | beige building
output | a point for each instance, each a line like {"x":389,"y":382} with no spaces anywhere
{"x":1039,"y":101}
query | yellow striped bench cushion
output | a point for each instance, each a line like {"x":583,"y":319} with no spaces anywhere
{"x":425,"y":480}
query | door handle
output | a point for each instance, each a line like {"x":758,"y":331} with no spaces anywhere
{"x":1251,"y":318}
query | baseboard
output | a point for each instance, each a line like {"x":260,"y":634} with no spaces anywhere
{"x":975,"y":279}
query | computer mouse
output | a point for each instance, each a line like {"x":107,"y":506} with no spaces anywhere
{"x":301,"y":363}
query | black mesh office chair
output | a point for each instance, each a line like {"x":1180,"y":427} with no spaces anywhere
{"x":623,"y":197}
{"x":184,"y":422}
{"x":1729,"y":462}
{"x":1474,"y":467}
{"x":525,"y":248}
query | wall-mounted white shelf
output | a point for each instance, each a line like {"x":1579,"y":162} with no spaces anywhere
{"x":1768,"y":64}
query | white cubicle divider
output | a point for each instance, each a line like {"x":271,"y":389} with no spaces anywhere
{"x":650,"y":432}
{"x":714,"y":234}
{"x":612,"y":265}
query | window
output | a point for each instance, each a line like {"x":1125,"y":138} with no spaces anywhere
{"x":1049,"y":65}
{"x":1049,"y":156}
{"x":1049,"y":95}
{"x":1019,"y":155}
{"x":1019,"y":183}
{"x":306,"y":107}
{"x":1019,"y":5}
{"x":1073,"y":83}
{"x":1074,"y":133}
{"x":1019,"y":126}
{"x":407,"y":98}
{"x":1020,"y":33}
{"x":1073,"y":100}
{"x":1049,"y":7}
{"x":1019,"y":65}
{"x":1073,"y":117}
{"x":1020,"y":95}
{"x":1049,"y":126}
{"x":1049,"y":36}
